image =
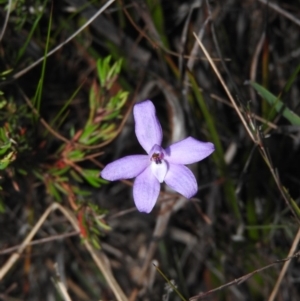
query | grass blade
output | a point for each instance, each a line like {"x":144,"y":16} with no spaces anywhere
{"x":279,"y":106}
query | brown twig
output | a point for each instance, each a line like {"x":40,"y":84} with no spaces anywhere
{"x":242,"y":118}
{"x":6,"y":19}
{"x":256,"y":117}
{"x":281,"y":11}
{"x":60,"y":285}
{"x":285,"y":267}
{"x":254,"y":134}
{"x":40,"y":241}
{"x":99,"y":258}
{"x":155,"y":45}
{"x":254,"y":63}
{"x":71,"y":37}
{"x":243,"y":278}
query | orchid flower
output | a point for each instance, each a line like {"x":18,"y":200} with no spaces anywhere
{"x":159,"y":165}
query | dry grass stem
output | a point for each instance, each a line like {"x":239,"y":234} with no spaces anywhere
{"x":226,"y":89}
{"x":285,"y":267}
{"x":98,"y":257}
{"x":70,"y":38}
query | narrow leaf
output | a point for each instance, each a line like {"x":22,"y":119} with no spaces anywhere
{"x":278,"y":105}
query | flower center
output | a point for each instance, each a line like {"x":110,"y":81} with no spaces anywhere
{"x":159,"y":166}
{"x":157,"y":158}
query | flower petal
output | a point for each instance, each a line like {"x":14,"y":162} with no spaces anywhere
{"x":147,"y":127}
{"x":159,"y":170}
{"x":125,"y":168}
{"x":182,"y":180}
{"x":145,"y":191}
{"x":188,"y":151}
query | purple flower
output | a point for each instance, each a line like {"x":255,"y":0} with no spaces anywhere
{"x":160,"y":165}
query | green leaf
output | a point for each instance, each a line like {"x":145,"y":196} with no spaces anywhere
{"x":102,"y":225}
{"x":4,"y":162}
{"x":23,"y":172}
{"x":118,"y":100}
{"x":107,"y":72}
{"x":75,"y":155}
{"x":292,"y":79}
{"x":3,"y":103}
{"x":2,"y":206}
{"x":111,"y":116}
{"x":95,"y":230}
{"x":5,"y":143}
{"x":22,"y":50}
{"x":95,"y":242}
{"x":218,"y":155}
{"x":6,"y":72}
{"x":38,"y":94}
{"x":58,"y":171}
{"x":65,"y":106}
{"x":60,"y":188}
{"x":292,"y":202}
{"x":158,"y":19}
{"x":94,"y":139}
{"x":102,"y":68}
{"x":54,"y":192}
{"x":88,"y":131}
{"x":79,"y":192}
{"x":278,"y":105}
{"x":75,"y":176}
{"x":92,"y":177}
{"x":4,"y":147}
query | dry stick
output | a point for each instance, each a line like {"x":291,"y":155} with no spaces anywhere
{"x":284,"y":268}
{"x":276,"y":178}
{"x":225,"y":87}
{"x":183,"y":39}
{"x":14,"y":257}
{"x":243,"y":278}
{"x":41,"y":241}
{"x":155,"y":45}
{"x":140,"y":31}
{"x":281,"y":11}
{"x":218,"y":49}
{"x":6,"y":19}
{"x":256,"y":140}
{"x":96,"y":15}
{"x":194,"y":51}
{"x":265,"y":155}
{"x":159,"y":230}
{"x":99,"y":259}
{"x":60,"y":285}
{"x":254,"y":63}
{"x":256,"y":117}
